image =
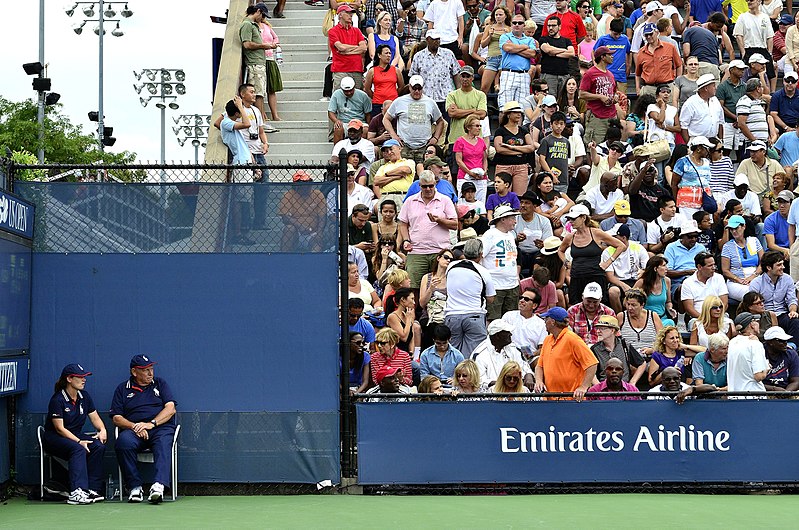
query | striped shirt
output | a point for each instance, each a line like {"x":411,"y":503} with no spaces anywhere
{"x":755,"y":112}
{"x":721,"y":175}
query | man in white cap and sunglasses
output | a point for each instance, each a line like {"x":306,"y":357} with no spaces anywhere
{"x":500,"y":258}
{"x":702,"y":114}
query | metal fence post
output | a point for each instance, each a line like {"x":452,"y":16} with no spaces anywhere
{"x":344,"y":341}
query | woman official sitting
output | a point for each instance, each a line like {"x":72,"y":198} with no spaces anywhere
{"x":510,"y":381}
{"x":467,"y":378}
{"x":66,"y":415}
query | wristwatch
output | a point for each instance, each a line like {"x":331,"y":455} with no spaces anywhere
{"x":155,"y":423}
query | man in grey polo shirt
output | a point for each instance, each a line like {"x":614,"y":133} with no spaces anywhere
{"x":415,"y":114}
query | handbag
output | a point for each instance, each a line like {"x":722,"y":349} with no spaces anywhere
{"x":709,"y":204}
{"x":660,"y":150}
{"x":327,"y":22}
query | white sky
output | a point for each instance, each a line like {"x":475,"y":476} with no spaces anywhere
{"x":160,"y":34}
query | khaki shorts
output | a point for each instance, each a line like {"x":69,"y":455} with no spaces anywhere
{"x":417,"y":265}
{"x":256,"y":76}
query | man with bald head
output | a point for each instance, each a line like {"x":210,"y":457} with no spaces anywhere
{"x":603,"y":197}
{"x":614,"y":370}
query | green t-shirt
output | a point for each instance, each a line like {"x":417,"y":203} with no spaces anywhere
{"x":473,"y":99}
{"x":249,"y":31}
{"x":730,"y":95}
{"x":596,"y":4}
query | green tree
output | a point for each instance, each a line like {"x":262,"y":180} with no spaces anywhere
{"x":64,"y":142}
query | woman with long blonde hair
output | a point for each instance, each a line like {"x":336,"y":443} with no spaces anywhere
{"x":711,"y":320}
{"x":509,"y":380}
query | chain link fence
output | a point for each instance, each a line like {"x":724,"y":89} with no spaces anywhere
{"x":188,"y":209}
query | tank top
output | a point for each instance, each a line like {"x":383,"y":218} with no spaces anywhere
{"x":657,"y":302}
{"x":388,"y":42}
{"x":585,"y":260}
{"x":493,"y":45}
{"x":385,"y":84}
{"x":639,"y":338}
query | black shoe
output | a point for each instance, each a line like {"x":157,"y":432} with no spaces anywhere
{"x":279,"y":15}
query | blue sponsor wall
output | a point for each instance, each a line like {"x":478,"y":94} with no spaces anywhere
{"x":244,"y":340}
{"x":561,"y":442}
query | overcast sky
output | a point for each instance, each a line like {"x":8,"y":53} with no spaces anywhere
{"x":160,"y":34}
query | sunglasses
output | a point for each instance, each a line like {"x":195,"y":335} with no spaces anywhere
{"x":525,"y":299}
{"x":788,"y":80}
{"x":716,"y":307}
{"x":416,"y":87}
{"x":380,"y":342}
{"x":357,"y":342}
{"x":518,"y":23}
{"x":620,"y":151}
{"x":428,"y":186}
{"x":512,"y":378}
{"x":388,"y":243}
{"x":448,"y":258}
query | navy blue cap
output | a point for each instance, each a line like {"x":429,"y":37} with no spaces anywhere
{"x":141,"y":361}
{"x":558,"y":314}
{"x":74,"y":370}
{"x":786,"y":20}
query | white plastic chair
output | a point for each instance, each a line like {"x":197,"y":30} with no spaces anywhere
{"x":147,"y":457}
{"x":42,"y":455}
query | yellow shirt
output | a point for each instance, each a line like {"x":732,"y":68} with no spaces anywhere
{"x":396,"y":186}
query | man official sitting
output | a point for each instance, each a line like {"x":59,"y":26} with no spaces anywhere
{"x":143,"y":409}
{"x":614,"y":369}
{"x":492,"y":354}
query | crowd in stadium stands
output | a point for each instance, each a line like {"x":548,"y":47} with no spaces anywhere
{"x":571,"y":197}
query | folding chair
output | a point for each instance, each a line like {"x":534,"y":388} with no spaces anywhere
{"x":146,"y":457}
{"x":42,"y":455}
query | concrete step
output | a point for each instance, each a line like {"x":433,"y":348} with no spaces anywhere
{"x":293,"y":113}
{"x":304,"y":77}
{"x":296,"y":94}
{"x":300,"y":148}
{"x":304,"y":56}
{"x":317,"y":67}
{"x":311,"y":105}
{"x":310,"y":30}
{"x":287,"y":127}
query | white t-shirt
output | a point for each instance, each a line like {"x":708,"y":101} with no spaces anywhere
{"x":700,"y":118}
{"x":499,"y":258}
{"x":360,"y":195}
{"x":600,"y":203}
{"x":655,"y":132}
{"x":464,"y":290}
{"x":755,"y":29}
{"x":444,"y":16}
{"x":668,"y":11}
{"x":366,"y":147}
{"x":659,"y":388}
{"x":478,"y":206}
{"x":655,"y":229}
{"x":526,"y":331}
{"x":693,"y":289}
{"x":749,"y":203}
{"x":490,"y":361}
{"x":746,"y":357}
{"x":630,"y":263}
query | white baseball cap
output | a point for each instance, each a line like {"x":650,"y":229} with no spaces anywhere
{"x":593,"y":290}
{"x":776,"y":332}
{"x":737,"y":63}
{"x":740,"y":179}
{"x":653,"y":6}
{"x":416,"y":80}
{"x":347,"y":83}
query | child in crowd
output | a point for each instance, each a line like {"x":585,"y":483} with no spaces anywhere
{"x":468,"y":198}
{"x":704,"y":221}
{"x":502,"y":184}
{"x":553,"y":152}
{"x":546,"y":288}
{"x":552,"y":201}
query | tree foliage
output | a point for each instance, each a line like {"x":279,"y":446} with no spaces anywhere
{"x":64,"y":142}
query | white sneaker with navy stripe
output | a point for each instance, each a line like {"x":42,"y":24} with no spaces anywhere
{"x":136,"y":495}
{"x":156,"y":493}
{"x":78,"y":496}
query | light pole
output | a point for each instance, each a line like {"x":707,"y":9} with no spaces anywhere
{"x":162,"y":89}
{"x":195,"y":128}
{"x":105,"y":13}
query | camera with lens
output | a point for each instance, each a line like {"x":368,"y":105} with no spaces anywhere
{"x":253,"y":136}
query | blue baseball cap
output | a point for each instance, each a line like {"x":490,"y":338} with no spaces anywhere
{"x":74,"y":370}
{"x":388,"y":143}
{"x":649,"y":28}
{"x":785,"y":20}
{"x":141,"y":361}
{"x":735,"y":221}
{"x":558,"y":314}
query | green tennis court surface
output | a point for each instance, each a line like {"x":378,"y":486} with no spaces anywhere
{"x":351,"y":511}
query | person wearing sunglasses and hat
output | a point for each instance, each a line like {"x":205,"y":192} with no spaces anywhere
{"x":143,"y":408}
{"x":532,"y":229}
{"x":500,"y":257}
{"x":63,"y":435}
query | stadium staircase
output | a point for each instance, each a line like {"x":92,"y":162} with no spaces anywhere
{"x":303,"y":131}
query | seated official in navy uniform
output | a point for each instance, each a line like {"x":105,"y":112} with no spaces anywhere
{"x":144,"y":408}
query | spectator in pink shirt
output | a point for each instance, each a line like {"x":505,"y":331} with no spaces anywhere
{"x":424,"y":224}
{"x":613,"y":383}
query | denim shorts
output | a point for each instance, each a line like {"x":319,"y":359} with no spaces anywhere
{"x":492,"y":63}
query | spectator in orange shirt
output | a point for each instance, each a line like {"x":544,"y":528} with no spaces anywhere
{"x":566,"y":364}
{"x":303,"y":210}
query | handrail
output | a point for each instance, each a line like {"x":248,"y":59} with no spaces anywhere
{"x":719,"y":394}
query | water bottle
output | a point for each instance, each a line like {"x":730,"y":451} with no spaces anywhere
{"x":279,"y":55}
{"x":111,"y":488}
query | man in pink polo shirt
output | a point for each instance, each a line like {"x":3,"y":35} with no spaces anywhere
{"x":424,"y":224}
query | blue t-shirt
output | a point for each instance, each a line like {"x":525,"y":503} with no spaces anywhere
{"x":783,"y":369}
{"x":495,"y":200}
{"x":356,"y":372}
{"x":620,"y":48}
{"x":688,"y":171}
{"x":787,"y":108}
{"x":73,"y":413}
{"x":702,"y":369}
{"x":635,"y":15}
{"x":365,"y":328}
{"x":788,"y":146}
{"x":514,"y":61}
{"x":777,"y":225}
{"x":442,"y":186}
{"x":136,"y":403}
{"x":681,"y":258}
{"x":701,"y":9}
{"x":235,"y":142}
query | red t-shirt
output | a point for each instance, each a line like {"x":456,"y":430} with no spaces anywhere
{"x":598,"y":82}
{"x":571,"y":26}
{"x":345,"y":63}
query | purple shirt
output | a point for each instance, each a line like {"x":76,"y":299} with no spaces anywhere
{"x":495,"y":200}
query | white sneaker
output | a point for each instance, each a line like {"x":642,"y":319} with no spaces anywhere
{"x":94,"y":496}
{"x":156,"y":493}
{"x":136,"y":495}
{"x":78,"y":496}
{"x":269,"y":128}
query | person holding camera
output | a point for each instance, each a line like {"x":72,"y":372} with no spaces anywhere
{"x":665,"y":228}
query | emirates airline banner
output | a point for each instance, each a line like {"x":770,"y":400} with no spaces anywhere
{"x":598,"y":441}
